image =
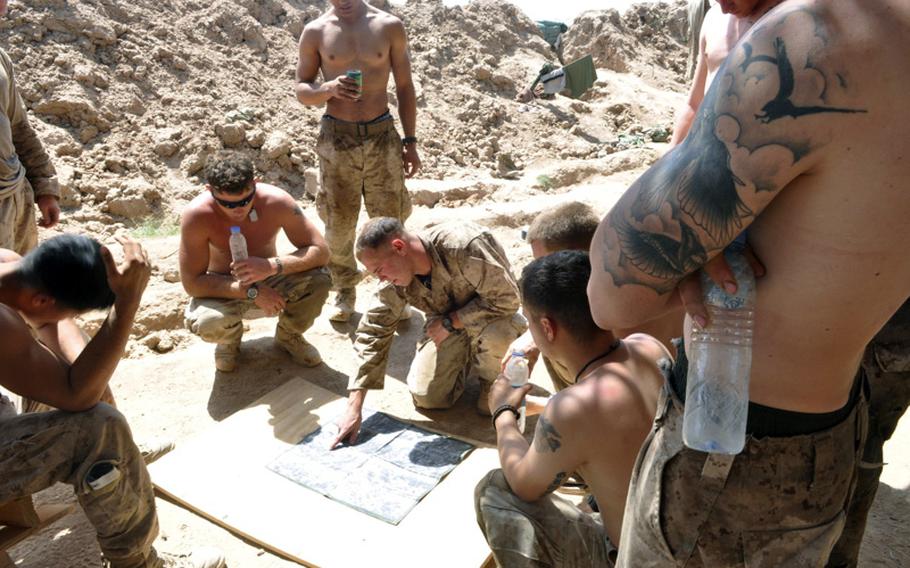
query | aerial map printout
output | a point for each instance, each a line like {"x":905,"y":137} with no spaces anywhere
{"x":385,"y":474}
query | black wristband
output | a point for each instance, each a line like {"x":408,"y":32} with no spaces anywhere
{"x":409,"y":140}
{"x":503,"y":408}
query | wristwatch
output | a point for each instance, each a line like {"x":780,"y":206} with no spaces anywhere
{"x":447,"y":323}
{"x":252,"y":292}
{"x":409,"y":140}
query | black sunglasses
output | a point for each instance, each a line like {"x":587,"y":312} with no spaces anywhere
{"x":235,"y":204}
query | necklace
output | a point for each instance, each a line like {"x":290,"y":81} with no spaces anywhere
{"x":613,"y":347}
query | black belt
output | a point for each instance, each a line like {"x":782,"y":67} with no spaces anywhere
{"x":369,"y":128}
{"x":767,"y":422}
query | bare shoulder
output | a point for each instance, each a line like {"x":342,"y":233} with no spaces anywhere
{"x":273,"y":197}
{"x":197,"y":211}
{"x":7,"y":255}
{"x":647,"y":346}
{"x":14,"y":330}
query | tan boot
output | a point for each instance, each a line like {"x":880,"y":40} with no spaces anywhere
{"x":226,"y":355}
{"x":345,"y":301}
{"x":300,"y":350}
{"x":483,"y":399}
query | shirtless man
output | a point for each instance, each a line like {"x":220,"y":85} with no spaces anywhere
{"x":571,"y":226}
{"x":808,"y":108}
{"x":292,"y":286}
{"x":87,"y":443}
{"x":595,"y":427}
{"x":361,"y":155}
{"x":720,"y":32}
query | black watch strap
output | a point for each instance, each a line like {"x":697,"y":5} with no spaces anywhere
{"x":448,"y":325}
{"x":409,"y":140}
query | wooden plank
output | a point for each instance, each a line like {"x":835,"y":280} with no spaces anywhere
{"x":221,"y":474}
{"x":47,"y":514}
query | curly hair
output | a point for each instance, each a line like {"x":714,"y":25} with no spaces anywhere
{"x":229,"y":172}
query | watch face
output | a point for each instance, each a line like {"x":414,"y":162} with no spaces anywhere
{"x":252,"y":293}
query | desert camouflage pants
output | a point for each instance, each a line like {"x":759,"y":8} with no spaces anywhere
{"x":357,"y":162}
{"x":18,"y":229}
{"x":437,"y":375}
{"x":40,"y":449}
{"x":779,"y":503}
{"x":220,"y":320}
{"x":548,"y":532}
{"x":887,"y":365}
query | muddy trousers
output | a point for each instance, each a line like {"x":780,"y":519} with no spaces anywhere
{"x":93,"y":451}
{"x":220,"y":320}
{"x":889,"y":383}
{"x":358,"y":162}
{"x":548,"y":532}
{"x":779,"y":503}
{"x":437,"y":375}
{"x":18,"y":228}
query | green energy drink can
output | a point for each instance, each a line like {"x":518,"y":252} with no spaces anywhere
{"x":357,"y":75}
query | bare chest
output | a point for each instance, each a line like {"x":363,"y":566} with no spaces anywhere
{"x":358,"y":48}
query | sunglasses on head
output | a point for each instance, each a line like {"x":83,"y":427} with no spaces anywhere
{"x":234,"y":204}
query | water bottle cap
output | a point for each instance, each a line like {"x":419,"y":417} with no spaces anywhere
{"x":235,"y":229}
{"x":517,"y":353}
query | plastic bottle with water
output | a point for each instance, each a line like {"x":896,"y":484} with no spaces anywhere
{"x":720,"y":361}
{"x":518,"y":372}
{"x":237,"y":244}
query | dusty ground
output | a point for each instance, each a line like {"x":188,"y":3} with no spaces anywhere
{"x":131,"y":97}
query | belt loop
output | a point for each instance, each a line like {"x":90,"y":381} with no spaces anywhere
{"x":717,"y":468}
{"x":365,"y":132}
{"x":824,"y":463}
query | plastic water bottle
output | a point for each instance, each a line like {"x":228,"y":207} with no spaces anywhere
{"x":237,"y":244}
{"x":720,"y":360}
{"x":518,"y":372}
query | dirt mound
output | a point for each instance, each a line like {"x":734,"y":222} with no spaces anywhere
{"x":131,"y":97}
{"x":647,"y":37}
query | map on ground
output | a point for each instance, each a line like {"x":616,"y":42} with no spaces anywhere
{"x":385,"y":474}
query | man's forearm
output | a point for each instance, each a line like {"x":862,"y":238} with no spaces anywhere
{"x":407,"y":109}
{"x":511,"y":444}
{"x":312,"y":94}
{"x":212,"y":285}
{"x":301,"y":260}
{"x":92,"y":370}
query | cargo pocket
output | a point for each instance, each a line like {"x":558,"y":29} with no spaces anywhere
{"x":799,"y":547}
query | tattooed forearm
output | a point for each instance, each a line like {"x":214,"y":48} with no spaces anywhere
{"x":557,"y":482}
{"x":546,"y":438}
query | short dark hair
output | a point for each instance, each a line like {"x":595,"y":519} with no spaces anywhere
{"x":229,"y":172}
{"x":569,"y":226}
{"x":556,"y":286}
{"x":377,"y":232}
{"x":69,"y":269}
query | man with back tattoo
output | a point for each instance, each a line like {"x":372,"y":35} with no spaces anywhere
{"x":799,"y":140}
{"x":594,"y":427}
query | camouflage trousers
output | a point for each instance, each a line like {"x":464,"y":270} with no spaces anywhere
{"x":548,"y":532}
{"x":437,"y":375}
{"x":887,"y":365}
{"x":220,"y":320}
{"x":18,"y":229}
{"x":779,"y":503}
{"x":357,"y":161}
{"x":93,"y":451}
{"x":559,"y":375}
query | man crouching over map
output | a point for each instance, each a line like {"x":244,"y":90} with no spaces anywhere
{"x":594,"y":427}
